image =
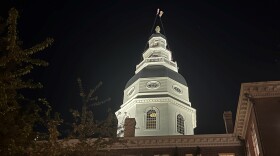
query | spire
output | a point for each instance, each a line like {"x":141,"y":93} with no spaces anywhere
{"x":157,"y":51}
{"x":158,"y":28}
{"x":158,"y":21}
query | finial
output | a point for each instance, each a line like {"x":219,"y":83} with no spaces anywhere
{"x":157,"y":29}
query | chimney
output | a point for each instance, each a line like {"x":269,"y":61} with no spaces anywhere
{"x":129,"y":127}
{"x":228,"y":121}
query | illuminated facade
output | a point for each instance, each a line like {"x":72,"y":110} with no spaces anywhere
{"x":256,"y":131}
{"x":157,"y":95}
{"x":159,"y":119}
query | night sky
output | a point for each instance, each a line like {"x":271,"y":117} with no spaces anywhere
{"x":217,"y":45}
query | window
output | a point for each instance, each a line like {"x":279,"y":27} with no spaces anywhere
{"x":131,"y":91}
{"x":153,"y":85}
{"x":180,"y":124}
{"x":151,"y":120}
{"x":255,"y":140}
{"x":177,"y":89}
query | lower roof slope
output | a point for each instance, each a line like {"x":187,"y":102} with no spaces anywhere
{"x":157,"y":71}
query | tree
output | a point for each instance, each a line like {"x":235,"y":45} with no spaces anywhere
{"x":89,"y":136}
{"x":18,"y":114}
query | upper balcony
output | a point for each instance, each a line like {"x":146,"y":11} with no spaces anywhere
{"x":157,"y":61}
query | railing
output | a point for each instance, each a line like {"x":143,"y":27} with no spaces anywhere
{"x":170,"y":62}
{"x":156,"y":59}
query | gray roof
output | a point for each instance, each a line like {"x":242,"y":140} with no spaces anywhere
{"x":157,"y":71}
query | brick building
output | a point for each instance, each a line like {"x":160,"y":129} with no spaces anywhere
{"x":258,"y":118}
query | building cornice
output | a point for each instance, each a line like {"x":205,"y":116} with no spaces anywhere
{"x":156,"y":61}
{"x":164,"y":99}
{"x":161,"y":95}
{"x":211,"y":140}
{"x":252,"y":90}
{"x":157,"y":100}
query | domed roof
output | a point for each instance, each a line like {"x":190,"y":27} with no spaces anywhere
{"x":157,"y":35}
{"x":157,"y":71}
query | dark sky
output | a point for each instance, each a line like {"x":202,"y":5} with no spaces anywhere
{"x":217,"y":44}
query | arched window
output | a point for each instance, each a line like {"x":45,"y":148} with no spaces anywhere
{"x":180,"y":124}
{"x":151,"y":119}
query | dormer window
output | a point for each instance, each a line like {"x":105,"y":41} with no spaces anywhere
{"x":155,"y":43}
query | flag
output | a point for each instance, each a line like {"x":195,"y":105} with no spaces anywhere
{"x":160,"y":13}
